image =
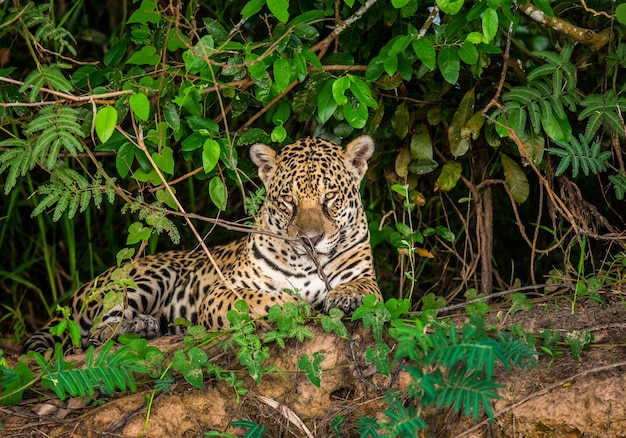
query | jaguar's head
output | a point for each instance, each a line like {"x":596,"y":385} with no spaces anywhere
{"x":312,"y":191}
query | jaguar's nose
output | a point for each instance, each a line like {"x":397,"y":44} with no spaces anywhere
{"x":311,"y":241}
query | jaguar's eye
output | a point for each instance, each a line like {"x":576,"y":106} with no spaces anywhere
{"x":287,"y":203}
{"x":330,"y":197}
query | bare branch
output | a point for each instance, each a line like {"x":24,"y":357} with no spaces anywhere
{"x":595,"y":40}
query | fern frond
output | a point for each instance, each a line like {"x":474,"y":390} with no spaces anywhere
{"x":49,"y":75}
{"x":19,"y":159}
{"x":71,"y":192}
{"x":55,"y":128}
{"x":107,"y":372}
{"x":581,"y":156}
{"x":602,"y":109}
{"x":469,"y":392}
{"x":619,"y":184}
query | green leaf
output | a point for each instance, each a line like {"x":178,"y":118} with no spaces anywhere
{"x":333,"y":322}
{"x":115,"y":54}
{"x":620,"y":13}
{"x":164,"y":160}
{"x":140,"y":105}
{"x":490,"y":24}
{"x":400,"y":120}
{"x":378,"y":356}
{"x":106,"y":120}
{"x":172,"y":118}
{"x":515,"y":178}
{"x":326,"y":104}
{"x":137,"y":232}
{"x":218,"y":192}
{"x":399,"y":3}
{"x":458,"y":144}
{"x":279,"y":134}
{"x":449,"y":176}
{"x":468,"y":53}
{"x":339,"y":88}
{"x":280,"y":9}
{"x":362,"y":92}
{"x":425,"y":51}
{"x":312,"y":368}
{"x":451,"y":7}
{"x":210,"y":154}
{"x":147,"y":55}
{"x":449,"y":64}
{"x":146,"y":13}
{"x":356,"y":115}
{"x":251,"y":8}
{"x":282,"y":74}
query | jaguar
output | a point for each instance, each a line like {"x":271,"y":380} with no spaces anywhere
{"x":311,"y":238}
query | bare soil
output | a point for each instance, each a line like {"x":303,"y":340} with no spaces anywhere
{"x":559,"y":398}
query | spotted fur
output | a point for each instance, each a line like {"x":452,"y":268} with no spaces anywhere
{"x":312,"y":199}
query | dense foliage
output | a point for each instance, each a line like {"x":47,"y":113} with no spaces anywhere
{"x":499,"y":128}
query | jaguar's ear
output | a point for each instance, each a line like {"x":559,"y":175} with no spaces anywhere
{"x":265,"y":159}
{"x":358,"y":152}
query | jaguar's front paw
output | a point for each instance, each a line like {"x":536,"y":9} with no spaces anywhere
{"x":343,"y":298}
{"x":145,"y":326}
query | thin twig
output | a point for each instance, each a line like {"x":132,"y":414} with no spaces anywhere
{"x":322,"y":46}
{"x":69,"y":96}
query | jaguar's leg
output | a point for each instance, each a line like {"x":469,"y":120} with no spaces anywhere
{"x":214,"y":307}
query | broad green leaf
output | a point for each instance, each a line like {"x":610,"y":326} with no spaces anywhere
{"x":449,"y":64}
{"x":490,"y":24}
{"x":422,"y":152}
{"x":210,"y":154}
{"x":458,"y":144}
{"x":280,"y":9}
{"x":146,"y":13}
{"x":279,"y":134}
{"x":399,"y":3}
{"x":124,"y":159}
{"x":312,"y":368}
{"x":399,"y":45}
{"x":137,"y":232}
{"x":390,"y":65}
{"x":147,"y":55}
{"x":218,"y":193}
{"x":451,"y":7}
{"x":251,"y":8}
{"x":468,"y":53}
{"x":356,"y":115}
{"x":281,"y":114}
{"x":106,"y":119}
{"x":620,"y":13}
{"x":378,"y":356}
{"x":282,"y":74}
{"x":165,"y":160}
{"x":450,"y":174}
{"x":515,"y":178}
{"x":172,"y":118}
{"x":140,"y":105}
{"x":425,"y":51}
{"x":326,"y":104}
{"x":400,"y":121}
{"x":339,"y":89}
{"x":362,"y":92}
{"x":115,"y":54}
